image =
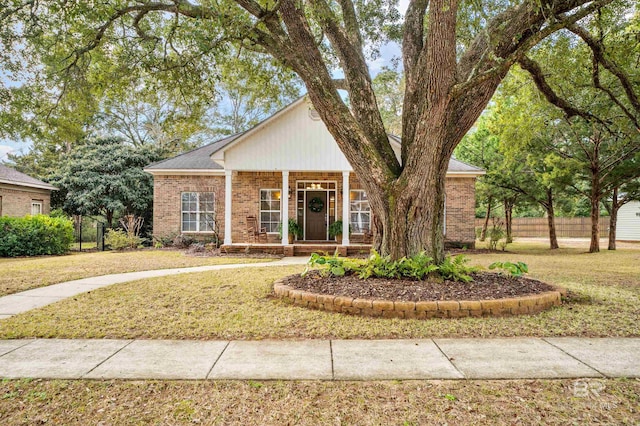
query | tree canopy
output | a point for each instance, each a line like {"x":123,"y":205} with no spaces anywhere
{"x":105,"y":176}
{"x":454,"y":56}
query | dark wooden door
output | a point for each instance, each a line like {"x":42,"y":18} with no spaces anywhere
{"x":316,"y":223}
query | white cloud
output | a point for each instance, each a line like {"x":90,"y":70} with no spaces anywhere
{"x":5,"y":150}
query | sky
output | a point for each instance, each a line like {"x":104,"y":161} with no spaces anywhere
{"x":388,"y":52}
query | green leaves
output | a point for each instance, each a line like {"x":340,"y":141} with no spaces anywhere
{"x":418,"y":267}
{"x":34,"y":235}
{"x":514,"y":269}
{"x":105,"y":175}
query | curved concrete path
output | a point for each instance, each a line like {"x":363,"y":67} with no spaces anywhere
{"x":502,"y":358}
{"x":17,"y":303}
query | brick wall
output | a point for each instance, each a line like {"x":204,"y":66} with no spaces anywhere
{"x":460,"y":211}
{"x":16,"y":200}
{"x":167,"y":206}
{"x":246,"y":201}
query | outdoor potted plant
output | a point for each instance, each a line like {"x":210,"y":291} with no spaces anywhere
{"x":335,"y":230}
{"x":294,"y":230}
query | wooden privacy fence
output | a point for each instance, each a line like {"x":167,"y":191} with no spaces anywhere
{"x":566,"y":227}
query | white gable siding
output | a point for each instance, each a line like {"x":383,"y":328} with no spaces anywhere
{"x":292,"y":141}
{"x":628,"y":228}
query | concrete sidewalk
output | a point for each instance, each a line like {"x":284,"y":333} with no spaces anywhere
{"x":508,"y":358}
{"x":17,"y":303}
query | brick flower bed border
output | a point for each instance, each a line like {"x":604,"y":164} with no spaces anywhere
{"x":529,"y":304}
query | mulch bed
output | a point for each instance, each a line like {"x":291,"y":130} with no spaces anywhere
{"x":485,"y":285}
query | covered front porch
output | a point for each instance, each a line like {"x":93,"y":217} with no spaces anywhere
{"x":321,"y":203}
{"x":297,"y":249}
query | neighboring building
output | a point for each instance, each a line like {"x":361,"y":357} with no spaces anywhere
{"x":628,"y":225}
{"x":21,"y":194}
{"x":289,"y":166}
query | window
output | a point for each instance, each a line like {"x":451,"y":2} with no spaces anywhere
{"x":36,"y":207}
{"x":198,"y":212}
{"x":360,"y":212}
{"x":270,"y":209}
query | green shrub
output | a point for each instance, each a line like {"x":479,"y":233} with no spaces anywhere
{"x":35,"y":235}
{"x":120,"y":240}
{"x":514,"y":269}
{"x":417,"y":267}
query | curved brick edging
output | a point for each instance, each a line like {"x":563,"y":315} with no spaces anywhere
{"x":530,"y":304}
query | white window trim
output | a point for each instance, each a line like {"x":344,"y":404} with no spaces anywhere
{"x":270,"y":211}
{"x":351,"y":211}
{"x":197,"y":231}
{"x":36,"y":203}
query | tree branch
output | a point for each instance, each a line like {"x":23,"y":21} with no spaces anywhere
{"x":598,"y":50}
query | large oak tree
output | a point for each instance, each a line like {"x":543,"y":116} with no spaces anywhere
{"x":454,"y":55}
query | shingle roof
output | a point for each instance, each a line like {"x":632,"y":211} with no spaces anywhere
{"x":460,"y":166}
{"x":200,"y":159}
{"x":197,"y":159}
{"x":14,"y":177}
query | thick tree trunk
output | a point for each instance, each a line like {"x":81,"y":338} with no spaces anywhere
{"x":508,"y":218}
{"x":414,"y":220}
{"x":613,"y":220}
{"x":483,"y":233}
{"x":551,"y":220}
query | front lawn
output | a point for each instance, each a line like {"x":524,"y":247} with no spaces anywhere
{"x":27,"y":273}
{"x":239,"y":304}
{"x":457,"y":402}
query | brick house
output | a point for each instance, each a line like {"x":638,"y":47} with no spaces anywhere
{"x":21,"y":194}
{"x":288,"y":166}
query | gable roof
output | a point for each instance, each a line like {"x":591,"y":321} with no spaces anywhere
{"x":198,"y":159}
{"x":210,"y":159}
{"x":12,"y":176}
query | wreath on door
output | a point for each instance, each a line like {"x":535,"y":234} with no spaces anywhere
{"x":316,"y":205}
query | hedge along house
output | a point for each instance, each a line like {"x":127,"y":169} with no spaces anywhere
{"x":287,"y":167}
{"x":21,"y":194}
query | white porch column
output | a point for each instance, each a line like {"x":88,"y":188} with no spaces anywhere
{"x":227,"y":206}
{"x":345,"y":208}
{"x":284,"y":205}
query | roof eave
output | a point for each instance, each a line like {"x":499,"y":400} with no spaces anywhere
{"x":190,"y":172}
{"x":466,"y":173}
{"x":30,"y":185}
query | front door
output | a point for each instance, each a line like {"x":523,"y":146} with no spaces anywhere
{"x":316,"y":210}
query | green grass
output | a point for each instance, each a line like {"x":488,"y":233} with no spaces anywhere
{"x":238,"y":304}
{"x":454,"y":402}
{"x":26,"y":273}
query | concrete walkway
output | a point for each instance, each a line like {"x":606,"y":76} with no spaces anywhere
{"x":17,"y":303}
{"x":509,"y":358}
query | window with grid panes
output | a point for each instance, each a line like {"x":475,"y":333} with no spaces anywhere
{"x":270,"y":209}
{"x":360,"y":212}
{"x":198,"y":212}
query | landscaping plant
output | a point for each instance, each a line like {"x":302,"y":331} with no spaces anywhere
{"x":35,"y":235}
{"x":517,"y":269}
{"x":120,"y":240}
{"x":417,"y":267}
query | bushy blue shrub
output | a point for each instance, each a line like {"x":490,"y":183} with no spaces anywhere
{"x":35,"y":235}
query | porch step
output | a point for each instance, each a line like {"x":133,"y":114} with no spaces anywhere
{"x":298,"y":249}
